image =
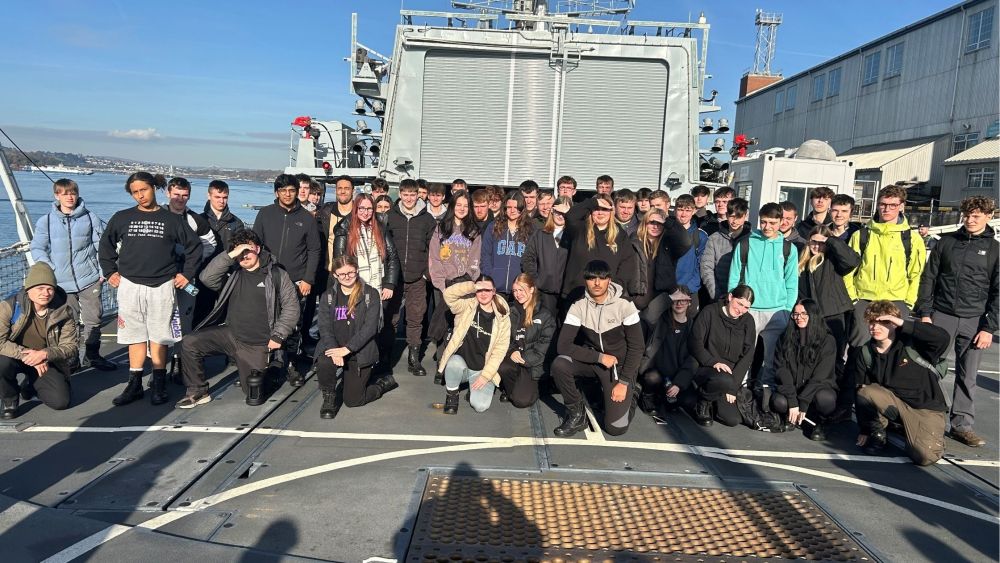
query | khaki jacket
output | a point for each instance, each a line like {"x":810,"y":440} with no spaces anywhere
{"x":61,"y":332}
{"x":464,"y":306}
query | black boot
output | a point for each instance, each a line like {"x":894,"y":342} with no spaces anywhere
{"x":175,"y":374}
{"x":438,"y":378}
{"x":817,"y":434}
{"x":295,"y":378}
{"x":385,"y":384}
{"x":575,"y":421}
{"x":876,"y":439}
{"x":9,"y":410}
{"x":158,"y":387}
{"x":451,"y":402}
{"x":331,"y":405}
{"x":92,"y":356}
{"x":648,"y":402}
{"x":703,"y":413}
{"x":414,"y":362}
{"x":132,"y":392}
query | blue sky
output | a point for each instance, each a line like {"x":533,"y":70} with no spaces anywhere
{"x":218,"y":82}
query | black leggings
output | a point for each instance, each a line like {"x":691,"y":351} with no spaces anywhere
{"x":516,"y":380}
{"x":356,"y":389}
{"x":713,"y":386}
{"x":823,"y":403}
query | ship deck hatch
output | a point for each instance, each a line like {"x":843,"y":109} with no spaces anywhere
{"x":479,"y":519}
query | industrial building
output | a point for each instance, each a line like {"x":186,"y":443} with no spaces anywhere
{"x":897,"y":107}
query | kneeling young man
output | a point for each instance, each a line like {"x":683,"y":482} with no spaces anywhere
{"x":899,"y":382}
{"x":38,"y":337}
{"x":235,"y":326}
{"x":600,"y":338}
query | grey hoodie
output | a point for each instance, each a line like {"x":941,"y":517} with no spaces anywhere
{"x":717,"y":258}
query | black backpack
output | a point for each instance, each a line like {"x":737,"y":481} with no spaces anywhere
{"x":864,"y":234}
{"x":744,"y":244}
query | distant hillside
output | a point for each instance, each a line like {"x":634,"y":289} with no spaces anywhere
{"x":119,"y":165}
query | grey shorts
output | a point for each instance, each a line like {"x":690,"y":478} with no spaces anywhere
{"x":148,"y":313}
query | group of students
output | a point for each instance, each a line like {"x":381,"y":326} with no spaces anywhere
{"x":518,"y":288}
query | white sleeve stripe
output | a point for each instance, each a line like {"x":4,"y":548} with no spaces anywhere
{"x":631,"y":319}
{"x":573,"y":320}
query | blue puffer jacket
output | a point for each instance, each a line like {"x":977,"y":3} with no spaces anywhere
{"x":69,"y":244}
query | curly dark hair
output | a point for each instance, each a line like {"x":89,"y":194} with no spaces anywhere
{"x":244,"y":236}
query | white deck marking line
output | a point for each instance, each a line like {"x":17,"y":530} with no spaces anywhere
{"x":77,"y":549}
{"x":592,"y":435}
{"x":90,"y":542}
{"x":677,"y":448}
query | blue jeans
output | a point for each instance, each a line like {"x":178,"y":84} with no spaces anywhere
{"x":456,"y":372}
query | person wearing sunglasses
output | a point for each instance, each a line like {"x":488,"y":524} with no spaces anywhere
{"x":600,"y":339}
{"x":349,"y":314}
{"x":822,"y":267}
{"x":478,"y":344}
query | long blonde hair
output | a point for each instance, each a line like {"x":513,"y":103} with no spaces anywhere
{"x":550,"y":223}
{"x":810,"y":259}
{"x":359,"y":284}
{"x":532,"y":303}
{"x":612,"y":229}
{"x":650,"y":245}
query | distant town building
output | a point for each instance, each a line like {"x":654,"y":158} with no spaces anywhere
{"x":898,"y":107}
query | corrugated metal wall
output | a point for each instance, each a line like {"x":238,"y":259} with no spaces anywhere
{"x":615,"y":108}
{"x":464,"y":125}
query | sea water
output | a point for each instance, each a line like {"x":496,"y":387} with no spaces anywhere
{"x":104,"y":194}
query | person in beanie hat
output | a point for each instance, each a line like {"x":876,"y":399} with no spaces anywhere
{"x":38,"y":337}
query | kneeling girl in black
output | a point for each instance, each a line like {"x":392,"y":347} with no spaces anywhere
{"x":349,"y":314}
{"x":531,"y":328}
{"x":722,"y":344}
{"x":804,"y":364}
{"x":665,"y":370}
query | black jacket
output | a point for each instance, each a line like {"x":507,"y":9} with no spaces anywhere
{"x":412,"y":238}
{"x":574,"y":239}
{"x":390,"y":276}
{"x":364,"y":325}
{"x":825,"y":285}
{"x":281,"y":296}
{"x":960,"y":278}
{"x":537,"y":338}
{"x":806,"y":225}
{"x":667,"y":352}
{"x":799,"y":382}
{"x":674,"y":243}
{"x":224,"y":227}
{"x":717,"y":337}
{"x":292,"y":238}
{"x":917,"y":386}
{"x":546,"y":260}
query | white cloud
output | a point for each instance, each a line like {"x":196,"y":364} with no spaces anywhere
{"x":136,"y":134}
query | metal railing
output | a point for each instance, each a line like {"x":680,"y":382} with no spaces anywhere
{"x":14,"y":267}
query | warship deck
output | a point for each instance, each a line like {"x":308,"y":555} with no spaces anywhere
{"x":229,"y":482}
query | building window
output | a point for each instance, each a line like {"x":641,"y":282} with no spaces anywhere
{"x":833,"y":83}
{"x":982,"y":177}
{"x":779,"y":101}
{"x":964,"y":142}
{"x":819,"y":86}
{"x":894,"y":60}
{"x":790,"y":96}
{"x":870,"y":64}
{"x":980,"y":30}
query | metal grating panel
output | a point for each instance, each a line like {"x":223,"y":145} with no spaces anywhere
{"x":464,"y":120}
{"x":615,"y":108}
{"x":475,"y":519}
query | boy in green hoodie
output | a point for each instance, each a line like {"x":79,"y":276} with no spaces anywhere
{"x":768,"y":263}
